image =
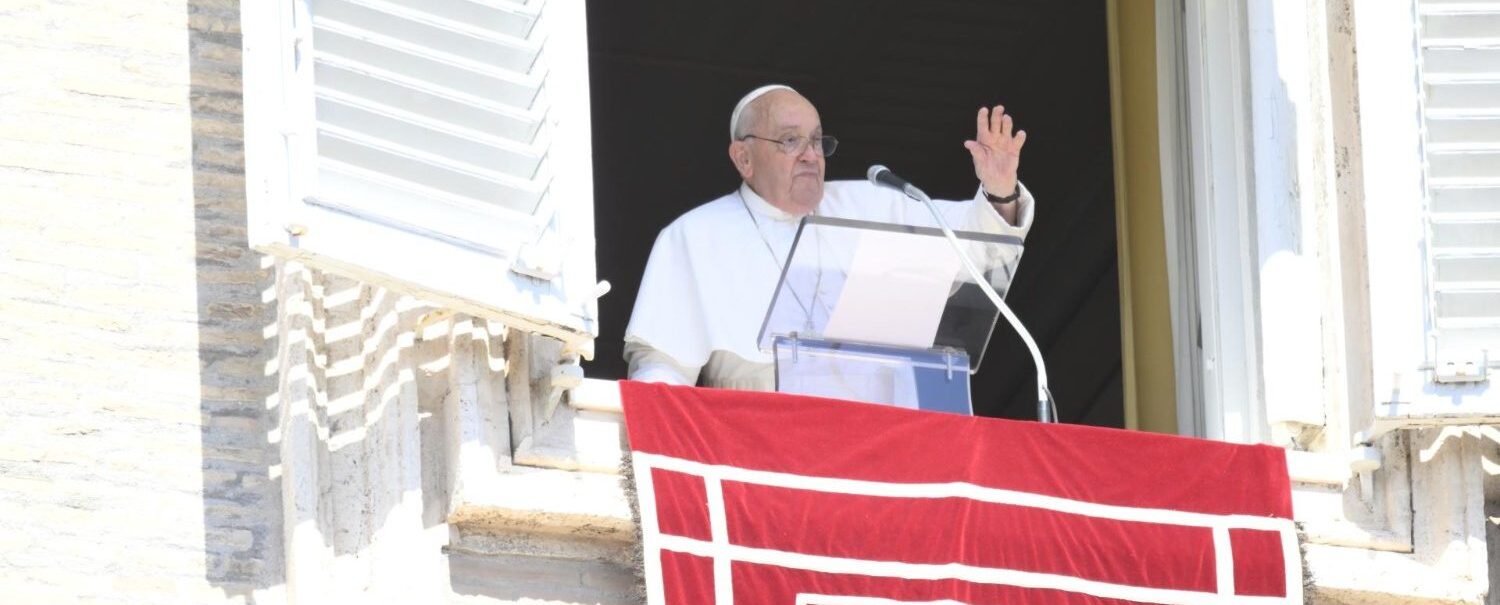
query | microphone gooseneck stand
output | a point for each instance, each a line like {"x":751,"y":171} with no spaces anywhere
{"x":880,"y":175}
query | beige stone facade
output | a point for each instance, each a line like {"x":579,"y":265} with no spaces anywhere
{"x":165,"y":435}
{"x":134,"y":375}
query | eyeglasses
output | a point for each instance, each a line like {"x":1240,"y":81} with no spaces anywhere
{"x":794,"y":144}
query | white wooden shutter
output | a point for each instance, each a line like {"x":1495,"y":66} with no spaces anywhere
{"x":1429,"y":106}
{"x":440,"y":147}
{"x":1460,"y":79}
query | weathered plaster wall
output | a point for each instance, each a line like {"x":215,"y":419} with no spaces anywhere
{"x":395,"y":432}
{"x":133,"y":458}
{"x":182,"y":422}
{"x":1419,"y":535}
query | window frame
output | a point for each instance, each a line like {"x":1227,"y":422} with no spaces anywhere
{"x":1207,"y":212}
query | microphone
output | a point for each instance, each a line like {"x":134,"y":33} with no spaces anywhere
{"x":880,"y":175}
{"x":1045,"y":407}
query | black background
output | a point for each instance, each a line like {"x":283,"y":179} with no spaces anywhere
{"x":898,"y":83}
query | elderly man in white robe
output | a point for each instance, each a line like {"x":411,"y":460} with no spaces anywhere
{"x":713,"y":271}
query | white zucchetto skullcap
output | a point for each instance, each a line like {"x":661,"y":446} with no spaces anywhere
{"x":745,"y":101}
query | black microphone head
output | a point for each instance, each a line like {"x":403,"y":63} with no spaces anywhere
{"x":882,"y":176}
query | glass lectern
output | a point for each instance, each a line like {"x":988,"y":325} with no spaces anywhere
{"x":884,"y":313}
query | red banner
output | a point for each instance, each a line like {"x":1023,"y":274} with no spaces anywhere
{"x":758,"y":498}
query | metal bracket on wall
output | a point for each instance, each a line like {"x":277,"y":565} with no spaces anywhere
{"x":564,"y":377}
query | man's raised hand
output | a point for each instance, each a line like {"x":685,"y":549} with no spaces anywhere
{"x":996,"y":151}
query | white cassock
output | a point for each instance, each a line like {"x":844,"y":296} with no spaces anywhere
{"x":711,"y":277}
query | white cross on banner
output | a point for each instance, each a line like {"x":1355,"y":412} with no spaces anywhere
{"x":769,"y":499}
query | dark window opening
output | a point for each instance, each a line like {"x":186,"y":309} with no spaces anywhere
{"x":898,"y":83}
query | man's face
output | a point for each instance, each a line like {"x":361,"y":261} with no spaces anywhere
{"x":791,"y":182}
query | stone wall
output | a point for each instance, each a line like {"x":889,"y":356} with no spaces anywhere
{"x":395,"y":429}
{"x":183,"y":420}
{"x":133,"y":351}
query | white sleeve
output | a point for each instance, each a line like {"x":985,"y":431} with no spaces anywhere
{"x":650,"y":365}
{"x":983,"y":216}
{"x":998,"y":262}
{"x":973,"y":214}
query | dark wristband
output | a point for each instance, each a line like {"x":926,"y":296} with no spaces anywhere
{"x":995,"y":199}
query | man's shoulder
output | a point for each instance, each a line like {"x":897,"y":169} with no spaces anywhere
{"x":704,"y":215}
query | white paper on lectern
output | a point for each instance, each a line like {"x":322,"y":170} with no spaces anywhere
{"x":896,"y":289}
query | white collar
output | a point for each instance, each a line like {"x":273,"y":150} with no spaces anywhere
{"x":760,"y":206}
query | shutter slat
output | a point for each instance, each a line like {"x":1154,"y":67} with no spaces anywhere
{"x":341,"y":41}
{"x":508,"y":18}
{"x":384,"y":185}
{"x":466,"y":39}
{"x":453,"y":107}
{"x":1477,"y":134}
{"x":1464,"y":99}
{"x":366,"y":151}
{"x":516,"y":93}
{"x":1465,"y":235}
{"x":1479,"y":332}
{"x":389,"y":199}
{"x":1457,"y":271}
{"x":1456,"y":27}
{"x":1461,"y":63}
{"x":1464,"y":304}
{"x":1465,"y":199}
{"x":435,"y":139}
{"x":1435,"y":7}
{"x":1469,"y":165}
{"x":1460,"y":252}
{"x":1465,"y":218}
{"x":1473,"y":287}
